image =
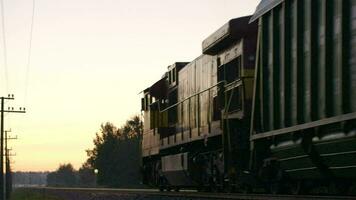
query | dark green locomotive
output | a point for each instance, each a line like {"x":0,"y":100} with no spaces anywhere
{"x":270,"y":106}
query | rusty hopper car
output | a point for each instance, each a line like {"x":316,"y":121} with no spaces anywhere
{"x":303,"y":131}
{"x":196,"y":131}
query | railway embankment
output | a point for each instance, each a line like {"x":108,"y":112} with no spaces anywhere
{"x":46,"y":193}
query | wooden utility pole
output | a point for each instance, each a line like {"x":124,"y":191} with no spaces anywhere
{"x":8,"y":182}
{"x":2,"y":111}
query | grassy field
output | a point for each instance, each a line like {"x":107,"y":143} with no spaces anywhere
{"x":22,"y":194}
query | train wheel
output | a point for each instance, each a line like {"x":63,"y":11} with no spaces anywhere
{"x":296,"y":187}
{"x":275,"y":187}
{"x":162,"y":184}
{"x":228,"y":188}
{"x":217,"y":188}
{"x":208,"y":189}
{"x":200,"y":189}
{"x":246,"y":189}
{"x":204,"y":188}
{"x":339,"y":188}
{"x":352,"y":190}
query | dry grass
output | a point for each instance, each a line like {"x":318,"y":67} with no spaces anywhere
{"x":23,"y":194}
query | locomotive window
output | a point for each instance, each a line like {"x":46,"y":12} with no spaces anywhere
{"x":172,"y":113}
{"x":221,"y":74}
{"x":233,"y":70}
{"x":143,"y":104}
{"x":146,"y":101}
{"x":169,"y":77}
{"x":216,"y":109}
{"x":230,"y":71}
{"x":236,"y":101}
{"x":174,"y":75}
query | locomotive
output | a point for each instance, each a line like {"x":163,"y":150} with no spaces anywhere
{"x":269,"y":106}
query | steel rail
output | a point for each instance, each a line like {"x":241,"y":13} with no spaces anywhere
{"x":189,"y":194}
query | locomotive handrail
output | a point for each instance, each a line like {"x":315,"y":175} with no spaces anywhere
{"x":240,"y":81}
{"x":180,"y":102}
{"x":236,"y":83}
{"x":232,"y":85}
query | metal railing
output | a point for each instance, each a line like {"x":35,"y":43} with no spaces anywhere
{"x":223,"y":86}
{"x":197,"y":112}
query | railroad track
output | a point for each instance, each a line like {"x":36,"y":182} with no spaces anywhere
{"x":148,"y":194}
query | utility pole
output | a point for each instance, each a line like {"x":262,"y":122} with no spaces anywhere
{"x":7,"y":138}
{"x":8,"y":181}
{"x":2,"y":111}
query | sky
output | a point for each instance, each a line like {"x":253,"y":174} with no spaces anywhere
{"x":89,"y":61}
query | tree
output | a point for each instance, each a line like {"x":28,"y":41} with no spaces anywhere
{"x":64,"y":176}
{"x":116,"y":154}
{"x":86,"y":176}
{"x":102,"y":157}
{"x":132,"y":128}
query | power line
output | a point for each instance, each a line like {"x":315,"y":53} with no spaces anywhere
{"x":29,"y":50}
{"x":4,"y":44}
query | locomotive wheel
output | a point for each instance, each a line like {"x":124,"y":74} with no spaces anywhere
{"x":296,"y":187}
{"x":340,"y":188}
{"x":229,"y":188}
{"x":204,"y":188}
{"x":199,"y":189}
{"x":163,"y":185}
{"x":246,"y":189}
{"x":169,"y":189}
{"x":208,"y":189}
{"x":219,"y":188}
{"x":352,"y":190}
{"x":275,"y":187}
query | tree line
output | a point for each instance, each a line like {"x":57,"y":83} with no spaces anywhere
{"x":20,"y":179}
{"x":67,"y":176}
{"x":113,"y":162}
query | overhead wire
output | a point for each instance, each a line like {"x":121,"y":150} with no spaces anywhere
{"x":29,"y":51}
{"x":4,"y":46}
{"x":5,"y":61}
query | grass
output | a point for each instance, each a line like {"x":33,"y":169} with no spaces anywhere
{"x":23,"y":194}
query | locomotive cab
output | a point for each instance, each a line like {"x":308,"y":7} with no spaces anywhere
{"x":234,"y":47}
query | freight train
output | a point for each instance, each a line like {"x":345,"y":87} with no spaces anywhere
{"x":269,"y":106}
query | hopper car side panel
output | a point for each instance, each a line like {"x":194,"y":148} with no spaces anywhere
{"x":305,"y":93}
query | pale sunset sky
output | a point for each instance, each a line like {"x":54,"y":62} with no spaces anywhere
{"x":89,"y":61}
